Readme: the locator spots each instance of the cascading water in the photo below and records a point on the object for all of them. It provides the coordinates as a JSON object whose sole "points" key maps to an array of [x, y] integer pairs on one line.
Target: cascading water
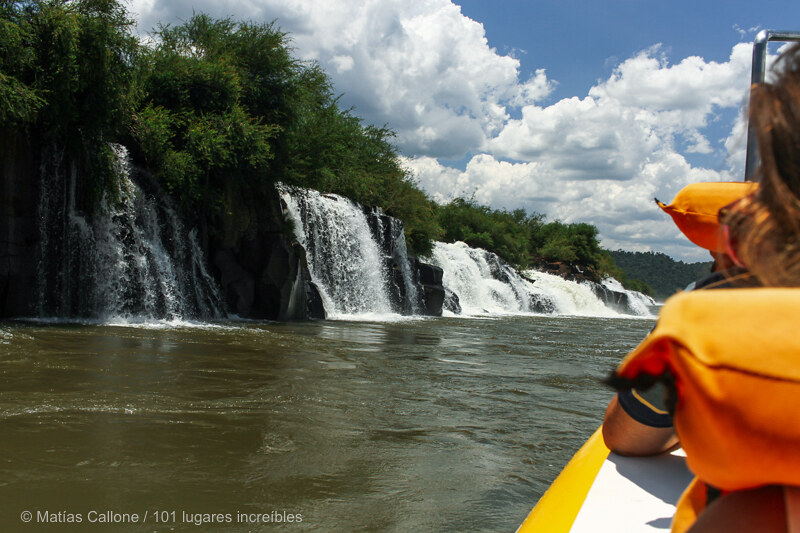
{"points": [[484, 284], [411, 301], [637, 303], [344, 259], [358, 262], [570, 297], [132, 259]]}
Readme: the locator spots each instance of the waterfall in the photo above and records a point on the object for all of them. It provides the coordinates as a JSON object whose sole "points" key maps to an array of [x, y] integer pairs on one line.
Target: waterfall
{"points": [[411, 300], [344, 259], [358, 262], [131, 259], [570, 297], [637, 303], [485, 284]]}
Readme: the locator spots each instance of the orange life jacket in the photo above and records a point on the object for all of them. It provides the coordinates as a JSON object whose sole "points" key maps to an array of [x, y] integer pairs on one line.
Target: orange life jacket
{"points": [[734, 357]]}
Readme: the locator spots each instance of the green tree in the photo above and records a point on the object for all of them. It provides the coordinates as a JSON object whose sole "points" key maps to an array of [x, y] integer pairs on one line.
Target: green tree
{"points": [[200, 126], [499, 231], [20, 101], [226, 112], [665, 275], [66, 80], [329, 149], [556, 241]]}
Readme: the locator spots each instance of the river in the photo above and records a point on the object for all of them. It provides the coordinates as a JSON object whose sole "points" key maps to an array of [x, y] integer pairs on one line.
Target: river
{"points": [[416, 424]]}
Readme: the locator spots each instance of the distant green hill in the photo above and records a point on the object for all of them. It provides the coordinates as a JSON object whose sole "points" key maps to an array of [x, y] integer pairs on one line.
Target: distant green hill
{"points": [[664, 275]]}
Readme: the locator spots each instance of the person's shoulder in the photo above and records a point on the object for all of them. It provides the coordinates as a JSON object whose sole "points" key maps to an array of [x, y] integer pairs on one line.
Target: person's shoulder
{"points": [[730, 278]]}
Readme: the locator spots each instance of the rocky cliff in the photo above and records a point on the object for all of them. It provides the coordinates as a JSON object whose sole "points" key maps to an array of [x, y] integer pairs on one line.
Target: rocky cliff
{"points": [[19, 232]]}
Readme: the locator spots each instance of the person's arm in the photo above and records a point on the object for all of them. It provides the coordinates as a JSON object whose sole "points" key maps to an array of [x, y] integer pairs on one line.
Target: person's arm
{"points": [[626, 436], [743, 511]]}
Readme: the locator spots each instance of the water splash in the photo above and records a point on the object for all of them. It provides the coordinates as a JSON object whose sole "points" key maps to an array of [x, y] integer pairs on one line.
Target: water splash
{"points": [[411, 300], [484, 284], [358, 261]]}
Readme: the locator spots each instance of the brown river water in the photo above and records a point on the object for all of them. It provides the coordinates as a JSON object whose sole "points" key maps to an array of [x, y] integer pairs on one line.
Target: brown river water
{"points": [[448, 424]]}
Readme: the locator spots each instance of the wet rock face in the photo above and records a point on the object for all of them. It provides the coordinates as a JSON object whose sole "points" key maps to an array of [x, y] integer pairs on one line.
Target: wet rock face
{"points": [[19, 232], [259, 272], [238, 284], [266, 274], [248, 250], [451, 302], [618, 301], [415, 287], [542, 304], [429, 278], [263, 273], [275, 286]]}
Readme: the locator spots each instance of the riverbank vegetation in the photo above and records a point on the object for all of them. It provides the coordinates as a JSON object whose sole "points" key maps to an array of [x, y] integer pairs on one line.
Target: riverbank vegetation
{"points": [[218, 111], [662, 273]]}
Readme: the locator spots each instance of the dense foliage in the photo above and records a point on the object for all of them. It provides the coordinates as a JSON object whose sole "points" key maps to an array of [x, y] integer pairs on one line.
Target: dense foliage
{"points": [[219, 111], [201, 124], [66, 72], [225, 106], [519, 237], [665, 275], [505, 233]]}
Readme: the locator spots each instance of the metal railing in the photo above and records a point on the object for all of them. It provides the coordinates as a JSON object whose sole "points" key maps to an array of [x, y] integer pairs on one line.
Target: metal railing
{"points": [[757, 76]]}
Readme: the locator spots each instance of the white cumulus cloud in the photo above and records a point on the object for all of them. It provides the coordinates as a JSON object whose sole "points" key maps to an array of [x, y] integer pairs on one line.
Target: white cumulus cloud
{"points": [[419, 66], [428, 72]]}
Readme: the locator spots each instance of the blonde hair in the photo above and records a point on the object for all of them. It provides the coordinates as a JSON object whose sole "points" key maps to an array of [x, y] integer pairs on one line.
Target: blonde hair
{"points": [[765, 227]]}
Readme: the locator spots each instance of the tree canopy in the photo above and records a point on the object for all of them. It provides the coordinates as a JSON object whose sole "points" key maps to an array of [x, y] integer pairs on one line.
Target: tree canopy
{"points": [[218, 109], [66, 70], [665, 275]]}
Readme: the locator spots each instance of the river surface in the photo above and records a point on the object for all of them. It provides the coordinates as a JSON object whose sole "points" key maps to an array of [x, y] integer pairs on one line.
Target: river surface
{"points": [[448, 424]]}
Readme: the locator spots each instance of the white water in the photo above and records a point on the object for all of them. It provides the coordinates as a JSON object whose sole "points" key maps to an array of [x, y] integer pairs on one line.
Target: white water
{"points": [[344, 261], [571, 298], [486, 285], [639, 303], [471, 273], [131, 261], [411, 303], [348, 265]]}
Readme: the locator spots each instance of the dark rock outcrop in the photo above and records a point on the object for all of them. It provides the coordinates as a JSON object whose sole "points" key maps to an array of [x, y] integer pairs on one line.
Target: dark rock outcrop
{"points": [[249, 247], [415, 287], [451, 302], [238, 284], [433, 295], [616, 300], [542, 304], [19, 233], [569, 271], [261, 269]]}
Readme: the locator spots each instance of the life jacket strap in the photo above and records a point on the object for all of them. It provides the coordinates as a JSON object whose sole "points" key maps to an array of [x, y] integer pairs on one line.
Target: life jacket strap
{"points": [[791, 498]]}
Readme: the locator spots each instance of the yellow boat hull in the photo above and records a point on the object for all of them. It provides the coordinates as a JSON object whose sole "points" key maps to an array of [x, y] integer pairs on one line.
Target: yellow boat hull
{"points": [[599, 491]]}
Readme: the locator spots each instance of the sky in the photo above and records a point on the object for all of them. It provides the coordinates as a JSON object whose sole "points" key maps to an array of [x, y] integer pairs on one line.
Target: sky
{"points": [[582, 110]]}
